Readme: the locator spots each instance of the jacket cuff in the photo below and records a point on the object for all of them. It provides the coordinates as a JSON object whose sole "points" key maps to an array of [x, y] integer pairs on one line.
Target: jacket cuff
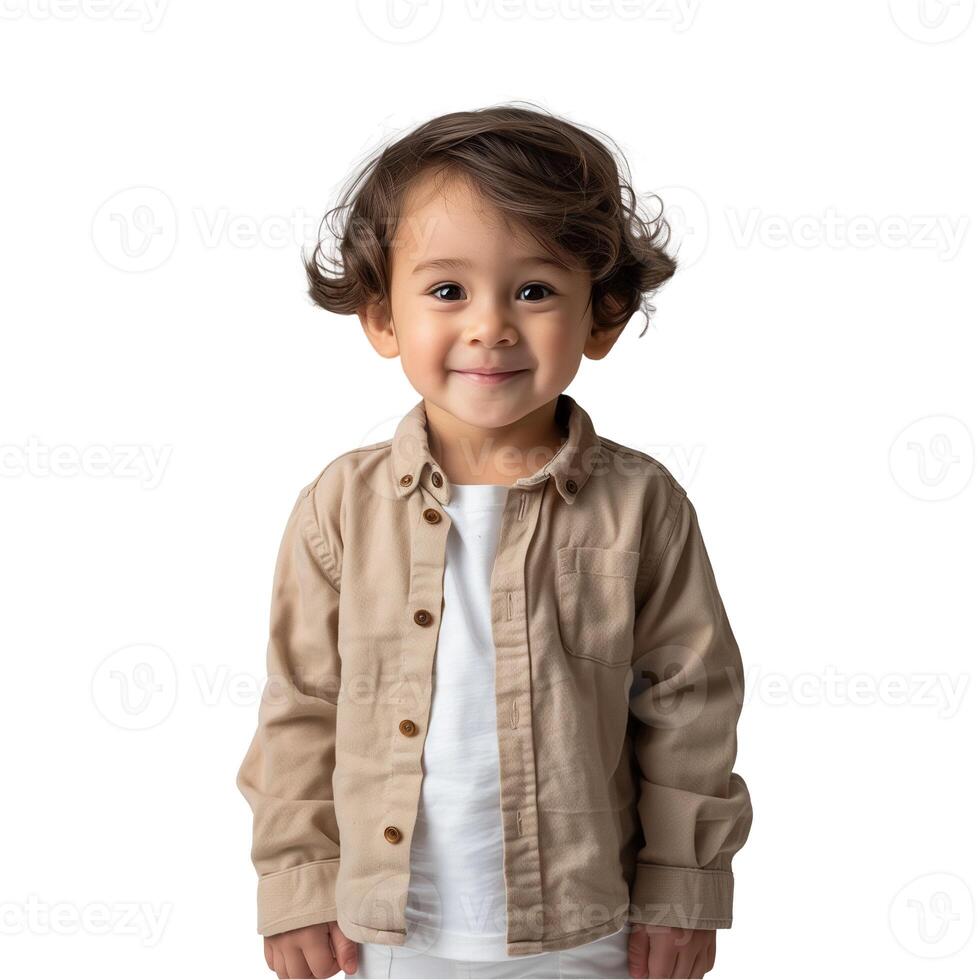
{"points": [[688, 898], [297, 897]]}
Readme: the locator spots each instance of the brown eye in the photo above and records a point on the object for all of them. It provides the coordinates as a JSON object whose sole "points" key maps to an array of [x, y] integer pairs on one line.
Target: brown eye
{"points": [[532, 286], [439, 289]]}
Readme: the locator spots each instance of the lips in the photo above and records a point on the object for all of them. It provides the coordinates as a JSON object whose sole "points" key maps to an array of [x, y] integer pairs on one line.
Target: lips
{"points": [[489, 377]]}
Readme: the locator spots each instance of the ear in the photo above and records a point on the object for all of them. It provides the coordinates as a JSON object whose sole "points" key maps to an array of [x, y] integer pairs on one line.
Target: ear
{"points": [[380, 329], [601, 339]]}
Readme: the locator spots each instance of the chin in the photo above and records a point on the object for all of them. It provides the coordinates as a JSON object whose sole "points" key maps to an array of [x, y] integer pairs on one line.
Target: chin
{"points": [[487, 412]]}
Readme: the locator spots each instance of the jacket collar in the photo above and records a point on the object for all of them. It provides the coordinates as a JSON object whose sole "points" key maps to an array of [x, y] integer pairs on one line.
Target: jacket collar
{"points": [[570, 467]]}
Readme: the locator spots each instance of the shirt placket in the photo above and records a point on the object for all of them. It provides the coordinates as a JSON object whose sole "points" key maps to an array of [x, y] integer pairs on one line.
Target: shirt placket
{"points": [[512, 671], [518, 774], [423, 614]]}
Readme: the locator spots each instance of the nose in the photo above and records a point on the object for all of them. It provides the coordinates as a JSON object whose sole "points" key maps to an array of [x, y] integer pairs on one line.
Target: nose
{"points": [[491, 324]]}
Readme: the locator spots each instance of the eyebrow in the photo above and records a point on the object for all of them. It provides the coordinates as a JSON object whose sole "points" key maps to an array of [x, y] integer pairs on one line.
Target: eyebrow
{"points": [[453, 264]]}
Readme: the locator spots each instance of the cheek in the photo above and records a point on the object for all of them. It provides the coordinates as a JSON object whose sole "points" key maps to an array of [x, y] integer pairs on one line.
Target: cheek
{"points": [[424, 346], [557, 348]]}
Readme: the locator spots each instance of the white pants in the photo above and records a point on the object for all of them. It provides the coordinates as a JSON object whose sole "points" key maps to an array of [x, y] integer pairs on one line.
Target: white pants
{"points": [[604, 957]]}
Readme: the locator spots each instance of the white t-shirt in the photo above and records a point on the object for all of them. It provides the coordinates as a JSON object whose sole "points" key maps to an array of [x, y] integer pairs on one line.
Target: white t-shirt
{"points": [[456, 905]]}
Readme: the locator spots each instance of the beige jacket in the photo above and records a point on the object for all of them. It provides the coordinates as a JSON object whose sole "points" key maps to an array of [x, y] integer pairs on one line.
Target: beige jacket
{"points": [[618, 687]]}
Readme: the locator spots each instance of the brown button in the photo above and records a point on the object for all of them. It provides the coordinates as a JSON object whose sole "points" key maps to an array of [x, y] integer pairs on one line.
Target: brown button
{"points": [[423, 617], [437, 479], [393, 835], [432, 515], [571, 486], [407, 727], [406, 480]]}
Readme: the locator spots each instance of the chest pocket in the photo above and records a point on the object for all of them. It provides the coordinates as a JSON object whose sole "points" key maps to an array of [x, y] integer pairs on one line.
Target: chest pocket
{"points": [[596, 605]]}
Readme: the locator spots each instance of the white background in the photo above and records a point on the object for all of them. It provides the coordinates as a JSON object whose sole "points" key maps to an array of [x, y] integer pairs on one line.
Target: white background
{"points": [[810, 377]]}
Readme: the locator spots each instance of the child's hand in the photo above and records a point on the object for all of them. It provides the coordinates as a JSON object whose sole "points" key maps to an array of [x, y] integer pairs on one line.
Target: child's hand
{"points": [[313, 951], [665, 951]]}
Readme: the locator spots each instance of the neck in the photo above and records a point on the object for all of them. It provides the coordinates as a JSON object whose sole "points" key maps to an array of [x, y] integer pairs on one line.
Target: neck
{"points": [[473, 454]]}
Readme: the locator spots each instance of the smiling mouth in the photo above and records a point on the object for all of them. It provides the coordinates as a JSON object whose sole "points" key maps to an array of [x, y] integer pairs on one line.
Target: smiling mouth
{"points": [[498, 377]]}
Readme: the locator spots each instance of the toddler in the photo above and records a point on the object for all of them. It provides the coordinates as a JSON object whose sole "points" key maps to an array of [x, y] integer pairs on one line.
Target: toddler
{"points": [[499, 726]]}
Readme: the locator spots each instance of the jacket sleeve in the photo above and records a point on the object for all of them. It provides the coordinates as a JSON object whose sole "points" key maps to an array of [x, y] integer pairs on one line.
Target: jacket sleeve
{"points": [[685, 700], [286, 775]]}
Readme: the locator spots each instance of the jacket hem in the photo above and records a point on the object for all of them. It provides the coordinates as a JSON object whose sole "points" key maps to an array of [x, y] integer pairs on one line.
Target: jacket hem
{"points": [[521, 947], [569, 940]]}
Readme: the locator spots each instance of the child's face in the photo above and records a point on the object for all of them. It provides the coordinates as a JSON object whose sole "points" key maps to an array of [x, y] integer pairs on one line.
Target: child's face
{"points": [[497, 307]]}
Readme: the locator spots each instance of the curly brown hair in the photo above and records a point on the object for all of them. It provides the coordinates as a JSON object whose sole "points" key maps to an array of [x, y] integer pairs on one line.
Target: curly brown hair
{"points": [[557, 180]]}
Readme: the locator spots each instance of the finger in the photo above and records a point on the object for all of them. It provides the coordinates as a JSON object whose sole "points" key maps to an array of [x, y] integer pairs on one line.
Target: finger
{"points": [[321, 960], [663, 956], [638, 953], [700, 964], [711, 952], [296, 963], [280, 964], [318, 952], [268, 954], [322, 957], [344, 948], [684, 965]]}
